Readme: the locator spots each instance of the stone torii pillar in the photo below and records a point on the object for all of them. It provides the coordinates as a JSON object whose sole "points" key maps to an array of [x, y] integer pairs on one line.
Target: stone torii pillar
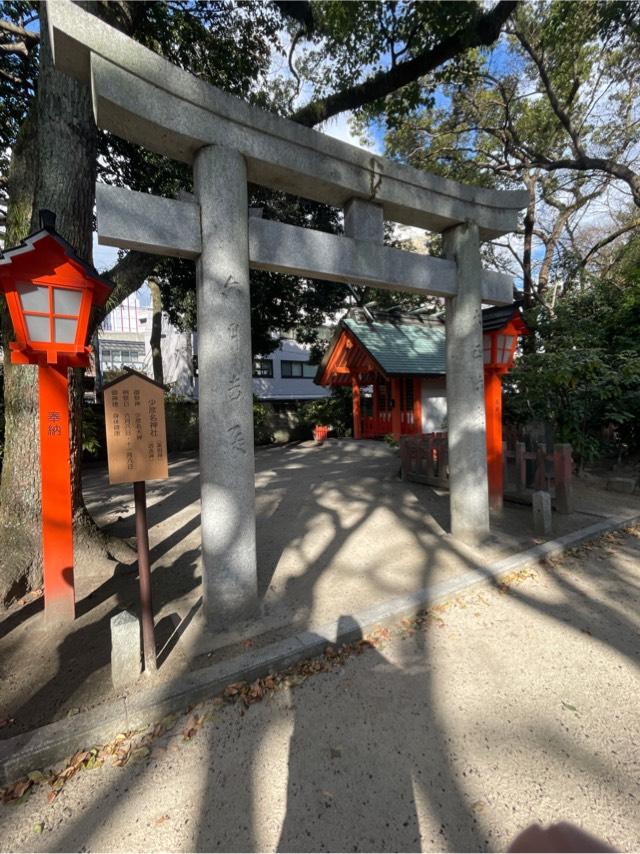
{"points": [[468, 484], [225, 402]]}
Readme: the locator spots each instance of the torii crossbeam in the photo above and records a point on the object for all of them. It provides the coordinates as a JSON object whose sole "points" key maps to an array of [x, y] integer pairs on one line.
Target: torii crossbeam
{"points": [[143, 98]]}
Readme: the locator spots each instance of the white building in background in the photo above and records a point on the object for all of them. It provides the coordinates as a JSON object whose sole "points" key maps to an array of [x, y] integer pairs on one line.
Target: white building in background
{"points": [[124, 340], [286, 375], [282, 378]]}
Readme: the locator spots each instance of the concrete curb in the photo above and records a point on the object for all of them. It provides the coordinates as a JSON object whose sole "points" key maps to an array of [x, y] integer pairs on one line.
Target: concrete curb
{"points": [[50, 744]]}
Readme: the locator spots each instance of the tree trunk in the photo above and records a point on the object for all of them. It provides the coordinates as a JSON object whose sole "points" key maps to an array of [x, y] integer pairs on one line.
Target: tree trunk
{"points": [[156, 332], [20, 556], [54, 167]]}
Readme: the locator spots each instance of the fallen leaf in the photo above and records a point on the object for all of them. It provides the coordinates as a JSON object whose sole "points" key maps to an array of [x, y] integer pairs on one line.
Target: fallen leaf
{"points": [[17, 791], [191, 728], [139, 753], [38, 827], [569, 706], [73, 712], [6, 722], [160, 820], [248, 643], [37, 777], [232, 692]]}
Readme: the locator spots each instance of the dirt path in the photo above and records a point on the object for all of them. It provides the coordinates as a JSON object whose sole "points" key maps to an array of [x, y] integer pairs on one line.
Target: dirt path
{"points": [[506, 707]]}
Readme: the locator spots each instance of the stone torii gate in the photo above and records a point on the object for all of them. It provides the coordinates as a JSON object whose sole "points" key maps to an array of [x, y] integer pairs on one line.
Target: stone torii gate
{"points": [[147, 100]]}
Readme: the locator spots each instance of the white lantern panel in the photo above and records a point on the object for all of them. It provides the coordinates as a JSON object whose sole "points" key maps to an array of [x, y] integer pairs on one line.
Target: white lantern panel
{"points": [[505, 342], [33, 297], [66, 302], [38, 328], [65, 330], [486, 339]]}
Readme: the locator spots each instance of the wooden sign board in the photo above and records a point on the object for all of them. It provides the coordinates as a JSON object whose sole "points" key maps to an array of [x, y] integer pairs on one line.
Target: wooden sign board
{"points": [[136, 429]]}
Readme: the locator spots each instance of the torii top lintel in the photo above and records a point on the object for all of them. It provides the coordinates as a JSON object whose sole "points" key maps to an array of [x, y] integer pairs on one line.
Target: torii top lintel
{"points": [[142, 97]]}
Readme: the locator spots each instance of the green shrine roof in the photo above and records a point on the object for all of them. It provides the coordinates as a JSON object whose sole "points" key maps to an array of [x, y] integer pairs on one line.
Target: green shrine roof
{"points": [[402, 346]]}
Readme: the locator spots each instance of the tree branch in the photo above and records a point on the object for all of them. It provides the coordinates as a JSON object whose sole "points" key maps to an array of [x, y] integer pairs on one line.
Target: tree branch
{"points": [[300, 10], [13, 78], [592, 164], [606, 240], [582, 161], [483, 29], [561, 114], [15, 48], [16, 30], [127, 275]]}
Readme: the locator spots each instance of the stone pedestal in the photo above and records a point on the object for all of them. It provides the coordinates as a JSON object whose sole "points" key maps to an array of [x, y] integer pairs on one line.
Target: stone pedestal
{"points": [[469, 491], [542, 513], [126, 649], [227, 476]]}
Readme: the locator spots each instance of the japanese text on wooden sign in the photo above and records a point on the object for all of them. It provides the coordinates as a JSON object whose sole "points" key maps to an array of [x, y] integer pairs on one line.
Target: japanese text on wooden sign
{"points": [[136, 431]]}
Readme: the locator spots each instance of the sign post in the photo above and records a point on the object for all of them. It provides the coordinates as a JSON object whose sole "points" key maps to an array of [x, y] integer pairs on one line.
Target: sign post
{"points": [[137, 452]]}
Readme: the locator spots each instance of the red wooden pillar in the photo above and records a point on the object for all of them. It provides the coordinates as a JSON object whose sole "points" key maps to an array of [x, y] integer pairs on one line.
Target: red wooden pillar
{"points": [[493, 411], [355, 389], [55, 465], [417, 405], [376, 405], [396, 416]]}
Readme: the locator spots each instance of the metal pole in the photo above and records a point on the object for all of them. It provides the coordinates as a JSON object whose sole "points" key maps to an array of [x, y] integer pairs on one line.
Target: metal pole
{"points": [[144, 574]]}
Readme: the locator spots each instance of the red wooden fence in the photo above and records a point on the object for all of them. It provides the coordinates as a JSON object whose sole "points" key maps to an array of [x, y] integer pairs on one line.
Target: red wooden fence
{"points": [[424, 459]]}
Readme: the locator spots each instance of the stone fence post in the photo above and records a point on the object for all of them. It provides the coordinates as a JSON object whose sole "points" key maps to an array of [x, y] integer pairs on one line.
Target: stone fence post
{"points": [[563, 471]]}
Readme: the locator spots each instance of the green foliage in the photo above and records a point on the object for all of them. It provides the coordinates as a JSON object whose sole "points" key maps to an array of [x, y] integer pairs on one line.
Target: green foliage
{"points": [[15, 100], [584, 378], [358, 39], [261, 432], [278, 303], [182, 423], [334, 412], [93, 435]]}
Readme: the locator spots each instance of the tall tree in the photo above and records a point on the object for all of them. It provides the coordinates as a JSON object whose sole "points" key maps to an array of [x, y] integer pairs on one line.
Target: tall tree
{"points": [[500, 126]]}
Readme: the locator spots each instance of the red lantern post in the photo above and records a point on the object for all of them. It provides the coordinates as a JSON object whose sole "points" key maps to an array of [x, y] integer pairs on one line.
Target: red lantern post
{"points": [[500, 339], [50, 293]]}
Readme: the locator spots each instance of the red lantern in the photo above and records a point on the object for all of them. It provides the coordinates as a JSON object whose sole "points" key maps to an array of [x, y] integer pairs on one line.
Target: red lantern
{"points": [[501, 329], [50, 293]]}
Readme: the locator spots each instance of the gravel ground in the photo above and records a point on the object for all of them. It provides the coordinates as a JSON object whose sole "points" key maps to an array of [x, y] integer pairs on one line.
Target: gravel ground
{"points": [[336, 528], [508, 706]]}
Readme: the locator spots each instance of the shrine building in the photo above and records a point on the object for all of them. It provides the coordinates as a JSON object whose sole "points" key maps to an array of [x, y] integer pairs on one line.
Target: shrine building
{"points": [[395, 365]]}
